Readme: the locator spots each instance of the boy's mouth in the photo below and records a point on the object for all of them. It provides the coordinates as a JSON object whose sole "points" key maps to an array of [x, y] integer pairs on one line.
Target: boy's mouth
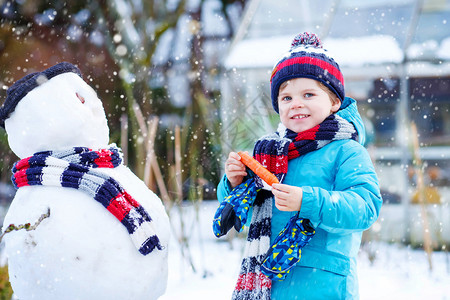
{"points": [[299, 116]]}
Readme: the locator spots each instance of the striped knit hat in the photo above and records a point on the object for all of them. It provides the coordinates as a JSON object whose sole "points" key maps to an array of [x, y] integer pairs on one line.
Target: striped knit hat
{"points": [[307, 59], [23, 86]]}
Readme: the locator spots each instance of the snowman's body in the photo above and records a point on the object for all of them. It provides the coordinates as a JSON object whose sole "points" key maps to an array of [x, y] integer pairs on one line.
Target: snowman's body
{"points": [[81, 251]]}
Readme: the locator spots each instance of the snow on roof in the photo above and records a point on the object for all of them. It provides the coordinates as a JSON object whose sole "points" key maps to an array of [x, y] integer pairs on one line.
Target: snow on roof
{"points": [[444, 50], [349, 52]]}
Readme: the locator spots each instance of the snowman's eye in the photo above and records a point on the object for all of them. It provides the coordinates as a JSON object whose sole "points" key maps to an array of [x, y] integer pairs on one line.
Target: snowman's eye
{"points": [[81, 98]]}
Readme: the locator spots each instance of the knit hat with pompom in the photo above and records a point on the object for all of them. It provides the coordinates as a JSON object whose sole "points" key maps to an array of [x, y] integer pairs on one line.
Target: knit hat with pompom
{"points": [[307, 59]]}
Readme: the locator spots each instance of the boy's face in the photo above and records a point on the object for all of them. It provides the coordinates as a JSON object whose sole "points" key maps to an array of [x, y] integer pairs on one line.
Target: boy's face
{"points": [[303, 104]]}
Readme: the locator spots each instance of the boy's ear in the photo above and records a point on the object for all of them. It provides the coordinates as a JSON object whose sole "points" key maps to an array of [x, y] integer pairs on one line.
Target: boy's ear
{"points": [[336, 105]]}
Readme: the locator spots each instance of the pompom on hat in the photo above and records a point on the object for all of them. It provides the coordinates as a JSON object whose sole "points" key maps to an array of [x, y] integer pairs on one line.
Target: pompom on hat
{"points": [[307, 59], [23, 86]]}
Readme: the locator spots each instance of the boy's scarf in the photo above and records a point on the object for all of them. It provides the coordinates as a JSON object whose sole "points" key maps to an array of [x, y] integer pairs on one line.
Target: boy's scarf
{"points": [[76, 168], [274, 151]]}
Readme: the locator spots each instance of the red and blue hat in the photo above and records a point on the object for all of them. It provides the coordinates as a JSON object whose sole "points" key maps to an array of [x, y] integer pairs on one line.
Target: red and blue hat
{"points": [[23, 86], [307, 59]]}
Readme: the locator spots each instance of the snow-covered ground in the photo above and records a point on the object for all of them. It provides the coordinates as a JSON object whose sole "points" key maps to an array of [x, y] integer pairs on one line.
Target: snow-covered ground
{"points": [[397, 272]]}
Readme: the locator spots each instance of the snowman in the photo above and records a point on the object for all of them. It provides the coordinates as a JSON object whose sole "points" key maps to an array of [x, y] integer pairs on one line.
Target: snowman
{"points": [[98, 231]]}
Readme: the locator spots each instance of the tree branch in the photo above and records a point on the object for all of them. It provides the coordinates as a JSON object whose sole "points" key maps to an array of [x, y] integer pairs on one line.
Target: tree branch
{"points": [[26, 226]]}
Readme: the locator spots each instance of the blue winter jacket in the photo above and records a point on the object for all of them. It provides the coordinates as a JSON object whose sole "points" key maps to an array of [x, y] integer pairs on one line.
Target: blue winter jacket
{"points": [[341, 197]]}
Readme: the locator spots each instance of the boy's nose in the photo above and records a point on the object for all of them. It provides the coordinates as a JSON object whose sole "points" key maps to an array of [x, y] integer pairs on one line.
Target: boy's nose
{"points": [[297, 103]]}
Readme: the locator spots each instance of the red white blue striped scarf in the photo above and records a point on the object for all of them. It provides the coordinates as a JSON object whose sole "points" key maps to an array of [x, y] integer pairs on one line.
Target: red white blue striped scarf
{"points": [[76, 168], [274, 151]]}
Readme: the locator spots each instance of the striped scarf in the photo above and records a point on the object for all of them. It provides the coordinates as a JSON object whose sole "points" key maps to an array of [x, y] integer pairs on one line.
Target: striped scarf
{"points": [[274, 151], [76, 168]]}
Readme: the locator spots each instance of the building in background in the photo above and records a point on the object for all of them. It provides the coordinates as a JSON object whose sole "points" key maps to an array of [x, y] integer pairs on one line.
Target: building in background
{"points": [[395, 57]]}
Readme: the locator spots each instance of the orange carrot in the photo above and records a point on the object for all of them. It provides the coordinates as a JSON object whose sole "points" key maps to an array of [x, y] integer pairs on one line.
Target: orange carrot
{"points": [[258, 169]]}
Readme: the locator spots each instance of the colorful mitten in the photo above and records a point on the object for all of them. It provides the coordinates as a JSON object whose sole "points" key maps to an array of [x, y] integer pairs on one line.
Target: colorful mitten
{"points": [[233, 211], [286, 249]]}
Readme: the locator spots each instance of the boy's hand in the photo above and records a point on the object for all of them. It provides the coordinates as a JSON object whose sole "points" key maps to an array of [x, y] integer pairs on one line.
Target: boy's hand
{"points": [[235, 169], [287, 197]]}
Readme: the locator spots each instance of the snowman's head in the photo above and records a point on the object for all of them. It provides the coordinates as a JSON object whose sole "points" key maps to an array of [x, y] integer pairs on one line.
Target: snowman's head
{"points": [[57, 113]]}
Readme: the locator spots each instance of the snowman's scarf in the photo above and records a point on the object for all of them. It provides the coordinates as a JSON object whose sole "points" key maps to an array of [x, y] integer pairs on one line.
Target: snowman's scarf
{"points": [[274, 151], [76, 168]]}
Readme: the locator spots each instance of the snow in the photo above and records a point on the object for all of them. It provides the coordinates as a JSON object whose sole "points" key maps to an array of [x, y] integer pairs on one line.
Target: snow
{"points": [[357, 51], [424, 50], [397, 271], [444, 50], [348, 52]]}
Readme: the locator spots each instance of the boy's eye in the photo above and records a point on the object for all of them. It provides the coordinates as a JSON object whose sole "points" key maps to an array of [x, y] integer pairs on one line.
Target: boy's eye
{"points": [[286, 98], [308, 95]]}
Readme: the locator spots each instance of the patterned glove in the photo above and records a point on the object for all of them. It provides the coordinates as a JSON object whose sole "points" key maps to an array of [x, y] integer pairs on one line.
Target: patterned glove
{"points": [[233, 211], [286, 250]]}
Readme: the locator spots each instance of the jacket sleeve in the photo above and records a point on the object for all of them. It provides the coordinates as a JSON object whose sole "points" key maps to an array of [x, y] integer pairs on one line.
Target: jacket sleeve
{"points": [[223, 189], [354, 202]]}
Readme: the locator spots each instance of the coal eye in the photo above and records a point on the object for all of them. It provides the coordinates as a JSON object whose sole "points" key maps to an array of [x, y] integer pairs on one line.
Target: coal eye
{"points": [[81, 98]]}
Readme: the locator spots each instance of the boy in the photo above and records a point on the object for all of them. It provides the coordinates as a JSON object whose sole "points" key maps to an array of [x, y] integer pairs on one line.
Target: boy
{"points": [[326, 177]]}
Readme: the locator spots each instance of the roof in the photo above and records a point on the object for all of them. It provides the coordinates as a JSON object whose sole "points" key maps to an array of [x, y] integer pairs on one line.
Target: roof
{"points": [[376, 34]]}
